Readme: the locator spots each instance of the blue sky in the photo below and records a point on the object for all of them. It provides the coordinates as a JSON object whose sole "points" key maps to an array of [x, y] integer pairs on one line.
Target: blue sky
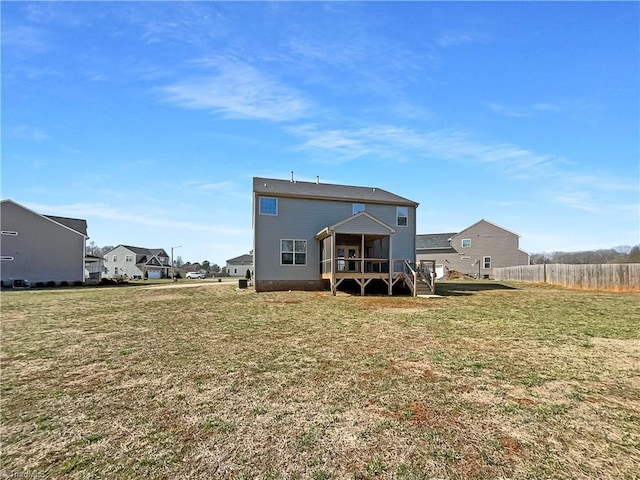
{"points": [[149, 120]]}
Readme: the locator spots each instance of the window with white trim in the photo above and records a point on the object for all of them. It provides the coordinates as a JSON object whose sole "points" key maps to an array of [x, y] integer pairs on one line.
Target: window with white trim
{"points": [[115, 258], [8, 232], [268, 206], [7, 259], [293, 252], [357, 208], [402, 216], [128, 258], [466, 242], [486, 262]]}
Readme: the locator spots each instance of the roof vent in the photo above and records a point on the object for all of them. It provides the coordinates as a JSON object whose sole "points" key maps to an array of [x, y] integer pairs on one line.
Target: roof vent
{"points": [[292, 176], [317, 179]]}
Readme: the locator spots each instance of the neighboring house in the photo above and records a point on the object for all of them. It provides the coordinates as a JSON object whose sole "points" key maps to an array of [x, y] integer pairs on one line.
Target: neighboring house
{"points": [[311, 236], [238, 266], [476, 250], [40, 248], [137, 262], [93, 268]]}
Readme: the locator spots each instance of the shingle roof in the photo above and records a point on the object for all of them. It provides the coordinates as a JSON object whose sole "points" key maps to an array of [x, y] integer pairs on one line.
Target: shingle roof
{"points": [[75, 224], [433, 240], [241, 260], [287, 188], [144, 251]]}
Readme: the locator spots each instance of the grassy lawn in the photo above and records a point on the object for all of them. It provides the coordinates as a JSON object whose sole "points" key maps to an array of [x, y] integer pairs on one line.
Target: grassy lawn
{"points": [[490, 381]]}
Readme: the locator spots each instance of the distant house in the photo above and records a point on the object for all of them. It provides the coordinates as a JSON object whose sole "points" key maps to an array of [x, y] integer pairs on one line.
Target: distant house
{"points": [[137, 262], [40, 248], [238, 266], [476, 250], [93, 268], [311, 236]]}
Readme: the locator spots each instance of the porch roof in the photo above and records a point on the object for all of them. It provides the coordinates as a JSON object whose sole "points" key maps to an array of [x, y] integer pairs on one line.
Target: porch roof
{"points": [[360, 223]]}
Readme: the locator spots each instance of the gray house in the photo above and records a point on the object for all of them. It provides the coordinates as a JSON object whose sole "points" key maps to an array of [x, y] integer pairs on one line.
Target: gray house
{"points": [[316, 236], [137, 262], [476, 250], [40, 248]]}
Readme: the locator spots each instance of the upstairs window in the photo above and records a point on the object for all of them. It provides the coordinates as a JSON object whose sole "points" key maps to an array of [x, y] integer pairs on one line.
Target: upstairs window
{"points": [[402, 216], [268, 206], [128, 258], [115, 258], [466, 242], [293, 252], [357, 208]]}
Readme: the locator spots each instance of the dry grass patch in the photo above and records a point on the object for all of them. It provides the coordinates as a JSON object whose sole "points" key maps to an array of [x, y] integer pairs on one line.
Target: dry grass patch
{"points": [[203, 382]]}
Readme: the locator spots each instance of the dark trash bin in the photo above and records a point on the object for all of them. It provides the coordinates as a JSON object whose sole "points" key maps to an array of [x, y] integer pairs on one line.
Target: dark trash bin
{"points": [[242, 283]]}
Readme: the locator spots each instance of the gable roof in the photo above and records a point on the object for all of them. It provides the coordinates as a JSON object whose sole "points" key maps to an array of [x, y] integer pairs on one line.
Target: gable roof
{"points": [[326, 191], [434, 240], [241, 260], [489, 223], [77, 225], [361, 222], [147, 252]]}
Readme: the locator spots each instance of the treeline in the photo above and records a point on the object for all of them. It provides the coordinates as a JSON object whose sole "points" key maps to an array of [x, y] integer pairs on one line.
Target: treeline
{"points": [[610, 255]]}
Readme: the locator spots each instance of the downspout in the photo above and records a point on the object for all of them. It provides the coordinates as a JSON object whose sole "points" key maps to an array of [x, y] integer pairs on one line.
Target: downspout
{"points": [[331, 263], [391, 265]]}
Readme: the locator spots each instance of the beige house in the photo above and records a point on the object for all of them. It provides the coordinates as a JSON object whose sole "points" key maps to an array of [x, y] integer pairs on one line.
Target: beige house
{"points": [[475, 251], [40, 248], [125, 261]]}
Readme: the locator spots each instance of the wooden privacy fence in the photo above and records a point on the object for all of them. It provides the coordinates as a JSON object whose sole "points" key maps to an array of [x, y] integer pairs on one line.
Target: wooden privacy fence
{"points": [[617, 277]]}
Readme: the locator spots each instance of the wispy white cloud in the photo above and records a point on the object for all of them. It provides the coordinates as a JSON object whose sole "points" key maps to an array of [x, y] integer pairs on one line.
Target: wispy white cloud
{"points": [[565, 183], [506, 110], [452, 38], [238, 90], [386, 141], [158, 219], [24, 132], [26, 38]]}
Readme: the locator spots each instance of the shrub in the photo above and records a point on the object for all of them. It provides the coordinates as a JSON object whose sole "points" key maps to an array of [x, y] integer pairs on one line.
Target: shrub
{"points": [[39, 284], [64, 283], [78, 283], [51, 283]]}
